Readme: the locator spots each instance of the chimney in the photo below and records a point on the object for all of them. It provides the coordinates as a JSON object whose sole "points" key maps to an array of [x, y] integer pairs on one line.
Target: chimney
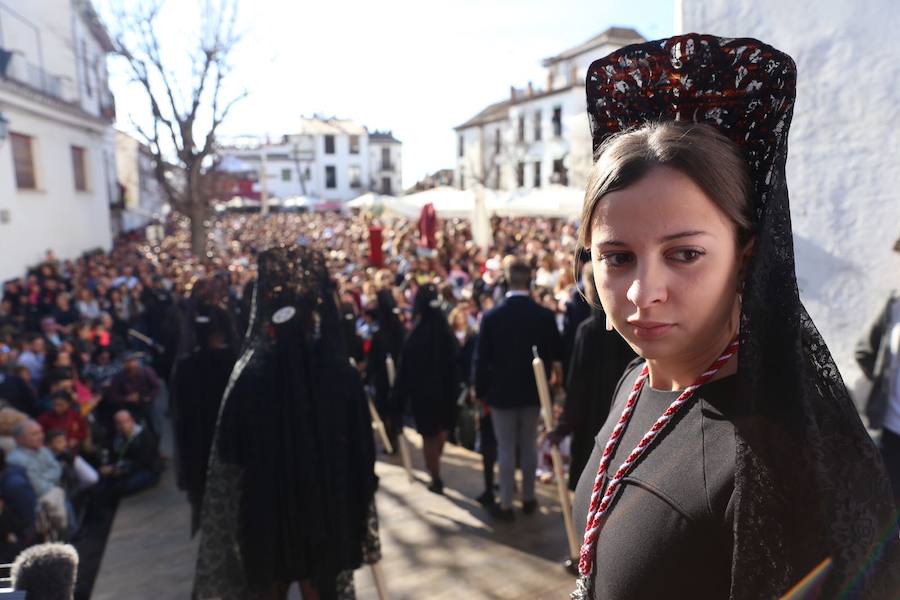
{"points": [[550, 81], [530, 90], [512, 92]]}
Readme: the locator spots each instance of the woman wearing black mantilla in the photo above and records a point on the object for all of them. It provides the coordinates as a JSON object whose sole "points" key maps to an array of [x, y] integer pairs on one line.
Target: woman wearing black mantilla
{"points": [[290, 488], [733, 463]]}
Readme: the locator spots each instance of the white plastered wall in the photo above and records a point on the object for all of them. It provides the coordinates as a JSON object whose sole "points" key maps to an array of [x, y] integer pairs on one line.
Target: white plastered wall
{"points": [[843, 172]]}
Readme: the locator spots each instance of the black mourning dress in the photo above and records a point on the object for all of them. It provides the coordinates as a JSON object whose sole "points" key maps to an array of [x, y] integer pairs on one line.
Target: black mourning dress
{"points": [[198, 382], [386, 340], [669, 533], [291, 481], [427, 377], [598, 359]]}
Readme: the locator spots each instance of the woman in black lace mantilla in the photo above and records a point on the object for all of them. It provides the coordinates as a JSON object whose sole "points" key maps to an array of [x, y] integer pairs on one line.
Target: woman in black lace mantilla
{"points": [[291, 482], [763, 473]]}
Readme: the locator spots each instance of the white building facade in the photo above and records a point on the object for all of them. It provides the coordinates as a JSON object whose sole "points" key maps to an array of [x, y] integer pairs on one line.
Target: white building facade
{"points": [[57, 167], [385, 157], [142, 200], [844, 145], [537, 137], [334, 160]]}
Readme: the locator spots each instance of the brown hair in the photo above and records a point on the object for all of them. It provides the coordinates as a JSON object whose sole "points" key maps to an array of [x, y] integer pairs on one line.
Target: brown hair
{"points": [[715, 163]]}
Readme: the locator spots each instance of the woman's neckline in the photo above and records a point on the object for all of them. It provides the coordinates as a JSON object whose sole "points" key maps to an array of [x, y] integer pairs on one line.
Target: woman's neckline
{"points": [[713, 382]]}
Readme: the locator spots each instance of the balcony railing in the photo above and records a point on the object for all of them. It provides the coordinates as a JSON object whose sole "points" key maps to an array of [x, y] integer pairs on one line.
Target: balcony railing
{"points": [[21, 70]]}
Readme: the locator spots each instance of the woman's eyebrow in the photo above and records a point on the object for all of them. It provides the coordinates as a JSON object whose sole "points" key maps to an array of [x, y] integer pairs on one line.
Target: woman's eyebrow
{"points": [[665, 238], [683, 234]]}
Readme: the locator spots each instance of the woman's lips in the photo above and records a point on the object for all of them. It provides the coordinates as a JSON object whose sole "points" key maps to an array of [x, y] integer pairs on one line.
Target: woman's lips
{"points": [[650, 331]]}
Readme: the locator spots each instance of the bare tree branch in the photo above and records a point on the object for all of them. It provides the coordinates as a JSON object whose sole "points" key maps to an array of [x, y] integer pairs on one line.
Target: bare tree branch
{"points": [[177, 122]]}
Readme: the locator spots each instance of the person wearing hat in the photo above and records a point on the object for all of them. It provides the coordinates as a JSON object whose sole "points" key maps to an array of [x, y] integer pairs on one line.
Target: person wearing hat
{"points": [[733, 463]]}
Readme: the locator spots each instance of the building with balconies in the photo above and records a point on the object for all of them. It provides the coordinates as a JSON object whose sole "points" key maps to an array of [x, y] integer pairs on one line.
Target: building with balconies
{"points": [[384, 163], [331, 159], [57, 144], [537, 136]]}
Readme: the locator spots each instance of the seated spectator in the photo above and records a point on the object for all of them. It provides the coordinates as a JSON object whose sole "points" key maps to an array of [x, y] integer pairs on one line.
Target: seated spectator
{"points": [[55, 441], [58, 380], [99, 373], [9, 419], [135, 452], [87, 304], [19, 501], [67, 419], [78, 474], [15, 389], [64, 314], [44, 473], [51, 330], [135, 388], [105, 336], [32, 357]]}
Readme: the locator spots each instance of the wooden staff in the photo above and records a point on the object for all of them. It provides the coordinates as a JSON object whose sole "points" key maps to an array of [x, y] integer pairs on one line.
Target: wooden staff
{"points": [[377, 423], [147, 340], [565, 502], [401, 437], [378, 576]]}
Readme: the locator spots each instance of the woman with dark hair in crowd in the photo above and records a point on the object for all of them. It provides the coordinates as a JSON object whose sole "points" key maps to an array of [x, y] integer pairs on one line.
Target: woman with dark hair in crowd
{"points": [[387, 340], [733, 463], [428, 379]]}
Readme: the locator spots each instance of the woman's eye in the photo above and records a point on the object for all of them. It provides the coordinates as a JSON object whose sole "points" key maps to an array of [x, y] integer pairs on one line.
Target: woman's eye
{"points": [[616, 259], [687, 255]]}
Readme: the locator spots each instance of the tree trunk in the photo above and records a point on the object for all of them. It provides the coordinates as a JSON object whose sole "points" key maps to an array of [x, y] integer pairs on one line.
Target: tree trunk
{"points": [[199, 230]]}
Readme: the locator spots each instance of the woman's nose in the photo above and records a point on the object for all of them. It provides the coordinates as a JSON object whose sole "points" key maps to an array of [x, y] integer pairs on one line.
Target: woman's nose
{"points": [[648, 288]]}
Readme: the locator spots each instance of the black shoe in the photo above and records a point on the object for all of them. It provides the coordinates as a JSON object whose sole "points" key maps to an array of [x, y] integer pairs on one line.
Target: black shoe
{"points": [[436, 487], [529, 506], [501, 514], [486, 499]]}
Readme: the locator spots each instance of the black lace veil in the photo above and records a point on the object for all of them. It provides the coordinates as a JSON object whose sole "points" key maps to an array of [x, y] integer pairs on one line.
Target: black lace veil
{"points": [[291, 476], [810, 483]]}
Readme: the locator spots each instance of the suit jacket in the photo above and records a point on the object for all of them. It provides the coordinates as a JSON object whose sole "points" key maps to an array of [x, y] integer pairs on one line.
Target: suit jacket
{"points": [[502, 370], [876, 358]]}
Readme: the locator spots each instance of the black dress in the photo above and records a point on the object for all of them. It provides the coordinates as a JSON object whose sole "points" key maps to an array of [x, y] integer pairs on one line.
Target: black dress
{"points": [[198, 384], [428, 378], [669, 530], [290, 487], [598, 360]]}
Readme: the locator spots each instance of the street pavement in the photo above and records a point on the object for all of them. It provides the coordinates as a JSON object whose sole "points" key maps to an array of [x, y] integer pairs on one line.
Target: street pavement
{"points": [[434, 547]]}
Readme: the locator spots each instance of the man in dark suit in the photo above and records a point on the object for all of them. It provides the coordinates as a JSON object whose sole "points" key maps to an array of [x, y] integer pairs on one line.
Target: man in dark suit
{"points": [[504, 379]]}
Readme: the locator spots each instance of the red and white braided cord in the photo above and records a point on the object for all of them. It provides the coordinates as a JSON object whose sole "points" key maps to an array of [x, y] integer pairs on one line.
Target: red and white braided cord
{"points": [[600, 507]]}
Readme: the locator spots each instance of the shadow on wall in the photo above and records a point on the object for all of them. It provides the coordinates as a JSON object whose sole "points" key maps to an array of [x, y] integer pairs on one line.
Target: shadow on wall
{"points": [[829, 287], [816, 267]]}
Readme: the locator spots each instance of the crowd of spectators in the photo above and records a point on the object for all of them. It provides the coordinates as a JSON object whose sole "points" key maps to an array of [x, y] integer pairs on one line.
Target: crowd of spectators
{"points": [[87, 344]]}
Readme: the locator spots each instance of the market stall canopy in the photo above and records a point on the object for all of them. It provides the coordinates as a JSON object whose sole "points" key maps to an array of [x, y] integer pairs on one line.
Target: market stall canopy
{"points": [[551, 201], [371, 200]]}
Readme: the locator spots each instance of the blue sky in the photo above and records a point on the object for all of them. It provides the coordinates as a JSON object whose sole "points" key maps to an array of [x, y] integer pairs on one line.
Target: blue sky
{"points": [[417, 67]]}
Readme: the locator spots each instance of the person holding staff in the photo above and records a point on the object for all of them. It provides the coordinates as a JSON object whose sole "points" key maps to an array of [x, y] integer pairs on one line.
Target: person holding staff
{"points": [[504, 380], [733, 462]]}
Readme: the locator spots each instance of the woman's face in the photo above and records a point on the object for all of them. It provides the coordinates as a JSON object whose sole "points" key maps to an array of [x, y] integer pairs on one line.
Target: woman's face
{"points": [[666, 266]]}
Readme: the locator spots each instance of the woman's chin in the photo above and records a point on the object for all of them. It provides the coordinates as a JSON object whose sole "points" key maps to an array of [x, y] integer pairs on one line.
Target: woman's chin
{"points": [[651, 349]]}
